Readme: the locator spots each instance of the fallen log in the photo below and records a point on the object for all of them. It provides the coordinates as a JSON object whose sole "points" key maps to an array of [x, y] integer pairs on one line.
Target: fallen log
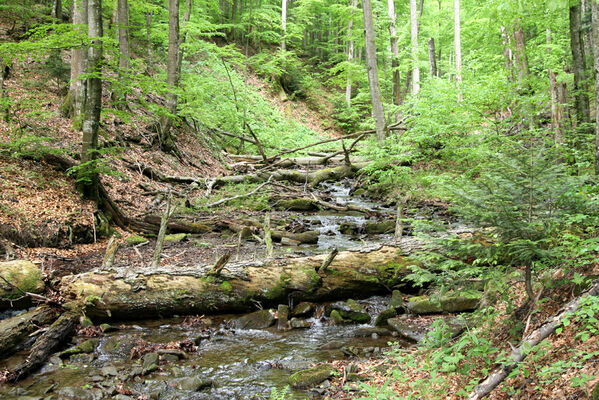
{"points": [[534, 338], [14, 331], [247, 227], [58, 333], [151, 293]]}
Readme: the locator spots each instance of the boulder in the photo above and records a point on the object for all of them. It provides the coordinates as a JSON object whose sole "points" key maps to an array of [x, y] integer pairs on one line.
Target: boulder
{"points": [[351, 311], [261, 319], [297, 323], [381, 319], [416, 331], [311, 377], [85, 347], [377, 228], [467, 300], [349, 228], [423, 305], [193, 384], [21, 273], [283, 317], [396, 300], [368, 332], [149, 363], [336, 318], [303, 309]]}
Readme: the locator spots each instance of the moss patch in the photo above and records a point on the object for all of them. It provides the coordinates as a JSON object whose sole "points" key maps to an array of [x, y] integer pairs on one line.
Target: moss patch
{"points": [[226, 287], [134, 240], [310, 377]]}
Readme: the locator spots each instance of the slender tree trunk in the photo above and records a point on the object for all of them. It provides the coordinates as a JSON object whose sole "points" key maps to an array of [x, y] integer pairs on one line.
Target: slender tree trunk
{"points": [[581, 97], [57, 9], [77, 95], [378, 111], [595, 35], [458, 47], [350, 52], [508, 54], [414, 39], [284, 24], [123, 27], [149, 15], [432, 60], [520, 55], [3, 97], [394, 52], [186, 18], [93, 106], [588, 33], [233, 18], [167, 141], [556, 106]]}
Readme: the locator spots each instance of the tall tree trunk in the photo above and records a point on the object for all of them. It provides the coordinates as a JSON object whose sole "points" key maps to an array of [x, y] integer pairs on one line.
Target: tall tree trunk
{"points": [[149, 15], [167, 141], [284, 24], [350, 52], [457, 39], [432, 60], [414, 39], [556, 106], [508, 54], [378, 111], [57, 10], [588, 33], [233, 18], [581, 97], [123, 27], [93, 106], [186, 18], [75, 101], [595, 35], [394, 52], [520, 55]]}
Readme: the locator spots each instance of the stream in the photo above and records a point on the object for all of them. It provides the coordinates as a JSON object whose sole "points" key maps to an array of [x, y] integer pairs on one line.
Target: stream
{"points": [[239, 363]]}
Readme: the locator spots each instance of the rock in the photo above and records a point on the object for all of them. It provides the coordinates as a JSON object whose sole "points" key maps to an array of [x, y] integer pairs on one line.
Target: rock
{"points": [[396, 300], [261, 319], [300, 204], [297, 323], [377, 228], [85, 322], [134, 240], [175, 238], [349, 228], [285, 241], [109, 370], [408, 329], [311, 377], [193, 384], [381, 319], [283, 317], [149, 363], [303, 309], [122, 397], [106, 328], [467, 300], [332, 345], [352, 311], [85, 347], [21, 273], [336, 318], [136, 371], [423, 305], [75, 393], [368, 332], [180, 354]]}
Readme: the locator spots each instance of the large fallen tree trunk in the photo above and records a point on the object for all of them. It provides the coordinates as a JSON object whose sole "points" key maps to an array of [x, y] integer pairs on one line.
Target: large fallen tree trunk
{"points": [[14, 331], [152, 293], [58, 333], [534, 338]]}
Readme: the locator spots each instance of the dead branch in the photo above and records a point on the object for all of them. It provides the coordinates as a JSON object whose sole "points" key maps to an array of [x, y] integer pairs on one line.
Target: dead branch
{"points": [[328, 261]]}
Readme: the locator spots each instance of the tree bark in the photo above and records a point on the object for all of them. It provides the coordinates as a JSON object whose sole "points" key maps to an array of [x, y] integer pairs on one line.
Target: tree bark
{"points": [[581, 97], [508, 54], [378, 111], [284, 24], [414, 40], [595, 35], [350, 52], [166, 137], [123, 27], [75, 100], [57, 10], [457, 40], [520, 56], [15, 331], [432, 60], [394, 52], [93, 106], [149, 15], [557, 108]]}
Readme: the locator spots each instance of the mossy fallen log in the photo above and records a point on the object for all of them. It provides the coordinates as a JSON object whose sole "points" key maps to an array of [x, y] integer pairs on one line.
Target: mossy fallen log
{"points": [[152, 293], [14, 331]]}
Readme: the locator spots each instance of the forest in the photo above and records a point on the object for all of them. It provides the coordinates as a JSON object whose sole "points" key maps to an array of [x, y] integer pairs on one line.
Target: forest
{"points": [[299, 199]]}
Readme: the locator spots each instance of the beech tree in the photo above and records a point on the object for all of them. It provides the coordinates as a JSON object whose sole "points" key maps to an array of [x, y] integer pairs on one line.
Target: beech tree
{"points": [[414, 39]]}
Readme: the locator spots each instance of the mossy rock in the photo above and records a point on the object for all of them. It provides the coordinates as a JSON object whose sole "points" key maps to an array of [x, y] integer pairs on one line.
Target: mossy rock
{"points": [[134, 240], [311, 377], [359, 192], [349, 228], [85, 347], [351, 311], [198, 227], [462, 301], [226, 287], [378, 228], [300, 204], [20, 273], [336, 318], [424, 305], [303, 309], [396, 300], [175, 238], [261, 319], [382, 318]]}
